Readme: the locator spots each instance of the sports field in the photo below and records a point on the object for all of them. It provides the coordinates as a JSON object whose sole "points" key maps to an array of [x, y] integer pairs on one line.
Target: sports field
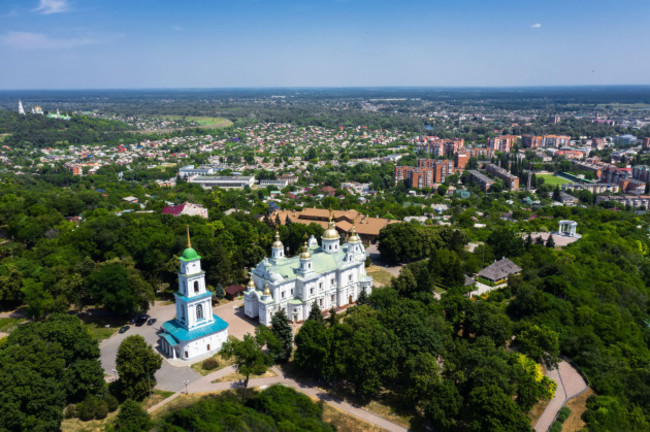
{"points": [[553, 180]]}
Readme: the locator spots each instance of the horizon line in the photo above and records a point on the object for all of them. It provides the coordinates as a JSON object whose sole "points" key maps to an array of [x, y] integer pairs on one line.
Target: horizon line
{"points": [[408, 87]]}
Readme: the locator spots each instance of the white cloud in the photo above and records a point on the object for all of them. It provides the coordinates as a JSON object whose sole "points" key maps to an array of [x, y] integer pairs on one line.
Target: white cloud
{"points": [[48, 7], [28, 40], [536, 26]]}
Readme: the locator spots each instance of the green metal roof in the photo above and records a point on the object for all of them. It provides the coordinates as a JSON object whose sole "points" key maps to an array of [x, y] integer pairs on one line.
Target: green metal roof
{"points": [[170, 340], [190, 254], [322, 262], [180, 296], [181, 334]]}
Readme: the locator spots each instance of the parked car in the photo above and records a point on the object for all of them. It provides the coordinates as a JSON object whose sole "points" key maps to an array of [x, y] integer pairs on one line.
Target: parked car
{"points": [[133, 320], [124, 329], [141, 320], [152, 321]]}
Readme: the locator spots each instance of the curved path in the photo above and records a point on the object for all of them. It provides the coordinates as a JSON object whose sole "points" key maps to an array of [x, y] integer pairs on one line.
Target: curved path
{"points": [[205, 385], [569, 385]]}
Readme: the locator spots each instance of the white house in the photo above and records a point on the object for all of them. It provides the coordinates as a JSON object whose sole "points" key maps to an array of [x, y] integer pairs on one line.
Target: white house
{"points": [[196, 330]]}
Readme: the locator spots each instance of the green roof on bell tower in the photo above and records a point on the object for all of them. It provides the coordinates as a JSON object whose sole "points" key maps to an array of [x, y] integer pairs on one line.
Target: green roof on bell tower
{"points": [[189, 254]]}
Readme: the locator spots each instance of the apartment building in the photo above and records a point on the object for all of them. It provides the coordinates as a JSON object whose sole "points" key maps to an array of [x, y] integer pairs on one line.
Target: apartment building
{"points": [[428, 173], [557, 141], [511, 181], [502, 143], [484, 182]]}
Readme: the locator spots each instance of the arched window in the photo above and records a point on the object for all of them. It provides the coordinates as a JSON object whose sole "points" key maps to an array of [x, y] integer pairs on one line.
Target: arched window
{"points": [[196, 286], [199, 312]]}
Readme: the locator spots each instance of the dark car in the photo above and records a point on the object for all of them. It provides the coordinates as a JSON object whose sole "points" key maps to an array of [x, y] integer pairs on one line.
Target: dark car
{"points": [[133, 320], [124, 329], [152, 321], [141, 320]]}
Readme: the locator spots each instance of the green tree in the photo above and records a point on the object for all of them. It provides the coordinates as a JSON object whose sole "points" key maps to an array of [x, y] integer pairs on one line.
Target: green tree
{"points": [[315, 313], [539, 343], [249, 356], [282, 330], [219, 291], [136, 365], [550, 242], [132, 418], [313, 349]]}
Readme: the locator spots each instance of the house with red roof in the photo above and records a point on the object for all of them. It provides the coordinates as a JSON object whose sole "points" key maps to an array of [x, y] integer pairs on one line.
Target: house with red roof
{"points": [[187, 209]]}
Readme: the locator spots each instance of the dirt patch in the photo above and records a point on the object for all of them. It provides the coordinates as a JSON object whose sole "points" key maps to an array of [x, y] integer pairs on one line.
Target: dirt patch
{"points": [[536, 411], [236, 376], [577, 405]]}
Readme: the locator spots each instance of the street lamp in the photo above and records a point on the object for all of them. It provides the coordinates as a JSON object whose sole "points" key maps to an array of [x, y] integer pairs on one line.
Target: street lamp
{"points": [[186, 382]]}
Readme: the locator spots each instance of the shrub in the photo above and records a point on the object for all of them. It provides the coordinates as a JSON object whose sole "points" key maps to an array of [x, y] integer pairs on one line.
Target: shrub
{"points": [[86, 410], [111, 402], [70, 412], [101, 410], [211, 363], [563, 414], [555, 427]]}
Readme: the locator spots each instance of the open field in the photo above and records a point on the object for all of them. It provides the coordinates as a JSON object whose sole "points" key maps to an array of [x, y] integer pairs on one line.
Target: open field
{"points": [[203, 122], [236, 376], [553, 180]]}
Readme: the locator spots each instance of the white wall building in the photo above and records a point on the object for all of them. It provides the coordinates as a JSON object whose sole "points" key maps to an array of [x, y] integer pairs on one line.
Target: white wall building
{"points": [[332, 275], [196, 330]]}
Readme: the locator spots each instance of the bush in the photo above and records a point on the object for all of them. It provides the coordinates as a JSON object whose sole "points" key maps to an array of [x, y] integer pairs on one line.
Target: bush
{"points": [[563, 414], [70, 412], [86, 410], [555, 427], [111, 402], [101, 410], [210, 364]]}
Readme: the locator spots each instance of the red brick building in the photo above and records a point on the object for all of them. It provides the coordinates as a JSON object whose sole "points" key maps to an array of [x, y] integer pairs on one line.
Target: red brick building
{"points": [[428, 173]]}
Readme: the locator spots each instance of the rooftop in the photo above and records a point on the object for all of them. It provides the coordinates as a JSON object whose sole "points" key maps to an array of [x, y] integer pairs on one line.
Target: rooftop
{"points": [[181, 334]]}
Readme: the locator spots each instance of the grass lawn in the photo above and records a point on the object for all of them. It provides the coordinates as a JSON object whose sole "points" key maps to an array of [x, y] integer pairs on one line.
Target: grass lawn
{"points": [[97, 327], [553, 180], [379, 274], [236, 376], [346, 422], [7, 324], [156, 397], [183, 401], [198, 366]]}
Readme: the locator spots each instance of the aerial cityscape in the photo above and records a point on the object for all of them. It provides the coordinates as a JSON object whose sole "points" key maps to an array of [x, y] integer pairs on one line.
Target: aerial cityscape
{"points": [[329, 216]]}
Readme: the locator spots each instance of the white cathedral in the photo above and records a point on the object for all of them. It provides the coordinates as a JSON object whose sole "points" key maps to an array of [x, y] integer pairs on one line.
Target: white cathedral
{"points": [[196, 330], [332, 275]]}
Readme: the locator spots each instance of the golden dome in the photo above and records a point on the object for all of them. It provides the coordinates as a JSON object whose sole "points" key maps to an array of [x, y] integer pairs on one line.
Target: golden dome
{"points": [[251, 284], [331, 233], [267, 291], [353, 236], [305, 252], [277, 243]]}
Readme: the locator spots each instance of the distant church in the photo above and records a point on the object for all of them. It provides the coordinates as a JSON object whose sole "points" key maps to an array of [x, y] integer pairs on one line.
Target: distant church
{"points": [[332, 275], [196, 330]]}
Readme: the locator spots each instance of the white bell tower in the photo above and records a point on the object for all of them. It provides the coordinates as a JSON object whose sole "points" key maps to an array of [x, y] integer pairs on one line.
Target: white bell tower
{"points": [[193, 300]]}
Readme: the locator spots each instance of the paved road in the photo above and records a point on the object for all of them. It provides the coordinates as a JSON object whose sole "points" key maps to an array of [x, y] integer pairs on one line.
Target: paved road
{"points": [[170, 376], [205, 385], [569, 385]]}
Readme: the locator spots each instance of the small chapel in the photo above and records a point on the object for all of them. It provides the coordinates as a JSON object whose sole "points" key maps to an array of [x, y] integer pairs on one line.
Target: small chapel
{"points": [[331, 274], [196, 330]]}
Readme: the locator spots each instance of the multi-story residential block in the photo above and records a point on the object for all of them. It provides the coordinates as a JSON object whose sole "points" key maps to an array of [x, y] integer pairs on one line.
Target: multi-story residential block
{"points": [[438, 147], [483, 181], [634, 201], [511, 181], [428, 173], [225, 182], [557, 141], [502, 143]]}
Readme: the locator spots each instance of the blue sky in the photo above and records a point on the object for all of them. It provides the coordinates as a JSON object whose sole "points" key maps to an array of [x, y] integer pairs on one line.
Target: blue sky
{"points": [[68, 44]]}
